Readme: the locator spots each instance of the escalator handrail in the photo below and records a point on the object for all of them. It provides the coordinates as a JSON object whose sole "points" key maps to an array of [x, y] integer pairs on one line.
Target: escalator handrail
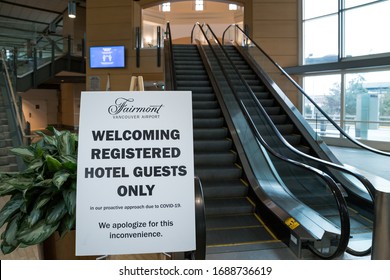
{"points": [[346, 135], [341, 204], [366, 183], [171, 58], [200, 218]]}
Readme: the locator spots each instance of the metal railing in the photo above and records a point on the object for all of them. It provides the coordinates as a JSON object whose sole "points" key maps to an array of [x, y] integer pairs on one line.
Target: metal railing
{"points": [[16, 110]]}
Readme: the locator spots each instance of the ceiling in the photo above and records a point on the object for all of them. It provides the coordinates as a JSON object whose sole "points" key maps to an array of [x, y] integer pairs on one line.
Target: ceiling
{"points": [[25, 22]]}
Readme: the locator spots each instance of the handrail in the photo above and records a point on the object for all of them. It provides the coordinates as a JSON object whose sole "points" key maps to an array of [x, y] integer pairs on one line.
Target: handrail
{"points": [[169, 65], [158, 46], [137, 46], [295, 84], [337, 193], [200, 218], [20, 120], [366, 183]]}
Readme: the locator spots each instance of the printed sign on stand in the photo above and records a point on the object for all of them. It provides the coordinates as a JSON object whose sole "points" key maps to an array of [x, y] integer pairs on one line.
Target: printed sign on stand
{"points": [[135, 177]]}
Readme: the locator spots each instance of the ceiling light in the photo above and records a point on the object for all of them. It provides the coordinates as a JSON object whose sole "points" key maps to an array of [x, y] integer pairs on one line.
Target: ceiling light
{"points": [[71, 9]]}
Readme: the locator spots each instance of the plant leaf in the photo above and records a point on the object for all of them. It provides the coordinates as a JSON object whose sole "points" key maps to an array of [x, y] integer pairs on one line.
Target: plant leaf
{"points": [[53, 164], [19, 184], [69, 162], [70, 201], [42, 201], [37, 234], [47, 138], [66, 143], [55, 213], [24, 152], [60, 178], [34, 216], [10, 208], [11, 231], [6, 249], [67, 224], [34, 166]]}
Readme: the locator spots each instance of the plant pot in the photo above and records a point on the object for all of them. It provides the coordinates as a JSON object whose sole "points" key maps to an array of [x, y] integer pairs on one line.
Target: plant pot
{"points": [[61, 248], [57, 248]]}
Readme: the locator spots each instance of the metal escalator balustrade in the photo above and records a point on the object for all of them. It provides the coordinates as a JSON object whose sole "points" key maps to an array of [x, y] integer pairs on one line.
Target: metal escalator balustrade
{"points": [[322, 249]]}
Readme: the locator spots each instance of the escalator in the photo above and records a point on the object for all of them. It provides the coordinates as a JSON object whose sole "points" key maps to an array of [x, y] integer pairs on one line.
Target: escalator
{"points": [[360, 215], [231, 221], [248, 205], [275, 115]]}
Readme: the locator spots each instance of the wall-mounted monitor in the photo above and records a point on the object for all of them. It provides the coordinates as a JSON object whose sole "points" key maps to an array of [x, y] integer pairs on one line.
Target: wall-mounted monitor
{"points": [[107, 57]]}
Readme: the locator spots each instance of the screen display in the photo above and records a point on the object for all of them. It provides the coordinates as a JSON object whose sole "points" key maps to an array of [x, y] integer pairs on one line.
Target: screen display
{"points": [[107, 57]]}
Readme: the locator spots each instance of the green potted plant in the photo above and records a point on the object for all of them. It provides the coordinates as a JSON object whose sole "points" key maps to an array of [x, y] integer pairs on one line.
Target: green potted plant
{"points": [[42, 197]]}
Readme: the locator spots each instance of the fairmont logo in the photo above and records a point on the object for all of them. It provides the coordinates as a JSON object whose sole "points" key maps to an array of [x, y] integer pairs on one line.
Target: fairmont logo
{"points": [[123, 105]]}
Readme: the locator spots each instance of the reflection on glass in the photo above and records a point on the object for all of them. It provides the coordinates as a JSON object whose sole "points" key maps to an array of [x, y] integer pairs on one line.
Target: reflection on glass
{"points": [[325, 91], [315, 8], [366, 98], [366, 37], [321, 40]]}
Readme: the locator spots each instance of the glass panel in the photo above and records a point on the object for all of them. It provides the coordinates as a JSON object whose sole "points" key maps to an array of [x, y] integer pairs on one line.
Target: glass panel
{"points": [[166, 7], [321, 40], [315, 8], [367, 102], [354, 3], [364, 30], [325, 91]]}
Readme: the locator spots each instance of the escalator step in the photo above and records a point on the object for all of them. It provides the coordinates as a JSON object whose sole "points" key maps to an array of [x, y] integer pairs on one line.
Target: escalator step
{"points": [[210, 133], [195, 90], [205, 105], [260, 93], [215, 159], [218, 173], [206, 113], [278, 119], [272, 110], [208, 123], [232, 221], [212, 146], [229, 206], [285, 128], [237, 236], [193, 83], [227, 188], [191, 77]]}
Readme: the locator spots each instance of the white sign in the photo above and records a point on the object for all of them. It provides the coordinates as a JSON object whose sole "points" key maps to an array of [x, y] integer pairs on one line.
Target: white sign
{"points": [[135, 177]]}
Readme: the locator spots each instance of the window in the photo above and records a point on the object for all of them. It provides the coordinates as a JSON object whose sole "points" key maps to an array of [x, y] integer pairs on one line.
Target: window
{"points": [[356, 97], [233, 7], [360, 104], [325, 47], [331, 33], [368, 36], [198, 5], [166, 7]]}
